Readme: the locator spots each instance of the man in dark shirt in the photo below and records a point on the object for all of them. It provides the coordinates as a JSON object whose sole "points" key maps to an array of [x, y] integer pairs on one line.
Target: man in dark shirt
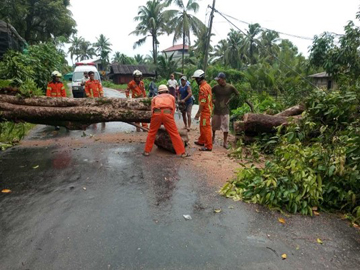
{"points": [[222, 94]]}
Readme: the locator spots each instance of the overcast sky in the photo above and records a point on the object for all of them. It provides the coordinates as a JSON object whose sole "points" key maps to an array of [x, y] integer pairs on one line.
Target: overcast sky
{"points": [[115, 19]]}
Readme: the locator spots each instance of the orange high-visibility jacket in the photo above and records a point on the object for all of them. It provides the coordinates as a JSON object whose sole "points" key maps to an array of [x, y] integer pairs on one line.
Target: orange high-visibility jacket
{"points": [[137, 90], [55, 89], [163, 101], [93, 89], [205, 98]]}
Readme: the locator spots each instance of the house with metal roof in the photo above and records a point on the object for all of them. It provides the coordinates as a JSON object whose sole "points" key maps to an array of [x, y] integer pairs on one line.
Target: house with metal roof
{"points": [[324, 81], [122, 74]]}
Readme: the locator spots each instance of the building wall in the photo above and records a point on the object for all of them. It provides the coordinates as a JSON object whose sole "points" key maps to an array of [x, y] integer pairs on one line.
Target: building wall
{"points": [[122, 79], [323, 83]]}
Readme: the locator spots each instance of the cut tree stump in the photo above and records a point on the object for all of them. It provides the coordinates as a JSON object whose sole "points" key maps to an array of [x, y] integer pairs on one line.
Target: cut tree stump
{"points": [[163, 140], [74, 113]]}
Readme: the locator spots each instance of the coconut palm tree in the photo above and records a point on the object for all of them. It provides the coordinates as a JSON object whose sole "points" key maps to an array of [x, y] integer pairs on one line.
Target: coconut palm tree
{"points": [[269, 44], [75, 46], [86, 51], [102, 47], [139, 59], [252, 41], [234, 54], [218, 56], [151, 24], [166, 65], [183, 23], [122, 59]]}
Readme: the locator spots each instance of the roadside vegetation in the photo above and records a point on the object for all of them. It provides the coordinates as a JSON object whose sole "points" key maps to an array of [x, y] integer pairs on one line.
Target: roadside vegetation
{"points": [[311, 165]]}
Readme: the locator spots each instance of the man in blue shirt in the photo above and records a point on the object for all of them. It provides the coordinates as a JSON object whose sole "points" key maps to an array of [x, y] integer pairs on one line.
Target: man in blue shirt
{"points": [[185, 101]]}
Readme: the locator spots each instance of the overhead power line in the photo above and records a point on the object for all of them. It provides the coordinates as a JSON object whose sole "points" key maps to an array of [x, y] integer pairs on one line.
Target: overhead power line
{"points": [[266, 49]]}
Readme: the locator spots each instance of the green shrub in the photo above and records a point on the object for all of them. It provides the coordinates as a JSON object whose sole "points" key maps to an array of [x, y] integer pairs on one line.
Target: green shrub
{"points": [[314, 164]]}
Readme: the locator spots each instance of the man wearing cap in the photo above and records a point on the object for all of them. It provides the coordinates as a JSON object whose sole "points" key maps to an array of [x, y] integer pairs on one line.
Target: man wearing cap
{"points": [[93, 88], [222, 95], [185, 102], [163, 109]]}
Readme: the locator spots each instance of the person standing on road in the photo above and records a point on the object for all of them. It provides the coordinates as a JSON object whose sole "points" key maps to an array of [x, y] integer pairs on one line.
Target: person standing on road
{"points": [[93, 88], [55, 88], [185, 102], [152, 88], [163, 109], [205, 110], [222, 93], [137, 89], [83, 81], [172, 84]]}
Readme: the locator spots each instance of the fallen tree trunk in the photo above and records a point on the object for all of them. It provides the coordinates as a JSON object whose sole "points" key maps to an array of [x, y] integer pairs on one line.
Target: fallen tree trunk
{"points": [[74, 113], [295, 110], [253, 124]]}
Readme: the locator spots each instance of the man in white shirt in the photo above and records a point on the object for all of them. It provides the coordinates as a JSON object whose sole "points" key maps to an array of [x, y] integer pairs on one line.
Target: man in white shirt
{"points": [[172, 85]]}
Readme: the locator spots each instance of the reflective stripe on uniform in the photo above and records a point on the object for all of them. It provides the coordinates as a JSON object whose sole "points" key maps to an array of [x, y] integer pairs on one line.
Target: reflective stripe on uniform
{"points": [[204, 122]]}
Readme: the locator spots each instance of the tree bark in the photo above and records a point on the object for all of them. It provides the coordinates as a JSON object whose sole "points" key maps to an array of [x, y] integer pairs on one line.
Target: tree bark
{"points": [[163, 140], [260, 123], [295, 110], [74, 113]]}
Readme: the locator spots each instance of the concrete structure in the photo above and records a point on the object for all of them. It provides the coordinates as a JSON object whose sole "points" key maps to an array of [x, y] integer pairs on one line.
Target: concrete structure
{"points": [[324, 81]]}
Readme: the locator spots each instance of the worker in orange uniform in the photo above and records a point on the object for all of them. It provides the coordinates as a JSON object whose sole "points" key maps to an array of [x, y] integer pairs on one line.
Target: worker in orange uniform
{"points": [[55, 88], [137, 89], [163, 109], [205, 111], [93, 88]]}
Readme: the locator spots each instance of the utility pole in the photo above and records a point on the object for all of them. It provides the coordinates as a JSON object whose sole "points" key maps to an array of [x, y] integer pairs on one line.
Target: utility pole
{"points": [[209, 35]]}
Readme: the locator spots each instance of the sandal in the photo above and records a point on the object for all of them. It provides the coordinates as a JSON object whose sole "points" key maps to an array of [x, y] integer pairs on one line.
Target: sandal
{"points": [[185, 155], [146, 154], [205, 149], [200, 144]]}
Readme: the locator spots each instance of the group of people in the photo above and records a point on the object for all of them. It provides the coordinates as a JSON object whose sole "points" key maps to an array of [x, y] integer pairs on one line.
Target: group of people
{"points": [[163, 106], [163, 109], [93, 88]]}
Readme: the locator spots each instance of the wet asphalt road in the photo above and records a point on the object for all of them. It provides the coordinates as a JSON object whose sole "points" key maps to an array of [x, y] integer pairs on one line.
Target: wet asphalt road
{"points": [[105, 206]]}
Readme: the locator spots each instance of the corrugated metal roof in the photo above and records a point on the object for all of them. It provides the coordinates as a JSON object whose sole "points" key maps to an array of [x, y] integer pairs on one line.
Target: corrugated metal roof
{"points": [[178, 47], [320, 75], [129, 69]]}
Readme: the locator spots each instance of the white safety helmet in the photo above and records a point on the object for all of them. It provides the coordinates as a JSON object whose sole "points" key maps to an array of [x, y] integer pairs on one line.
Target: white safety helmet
{"points": [[137, 73], [163, 88], [198, 74], [56, 74]]}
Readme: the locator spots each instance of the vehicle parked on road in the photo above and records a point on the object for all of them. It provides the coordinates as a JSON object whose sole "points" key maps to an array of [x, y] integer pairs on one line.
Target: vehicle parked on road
{"points": [[78, 90]]}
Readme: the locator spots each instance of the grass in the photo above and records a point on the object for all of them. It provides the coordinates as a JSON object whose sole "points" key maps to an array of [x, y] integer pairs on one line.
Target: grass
{"points": [[109, 84]]}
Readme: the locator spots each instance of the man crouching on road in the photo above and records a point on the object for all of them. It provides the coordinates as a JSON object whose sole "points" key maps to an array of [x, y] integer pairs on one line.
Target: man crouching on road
{"points": [[163, 109], [222, 95]]}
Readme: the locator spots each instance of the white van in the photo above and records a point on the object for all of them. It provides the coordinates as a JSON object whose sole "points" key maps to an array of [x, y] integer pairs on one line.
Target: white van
{"points": [[78, 90]]}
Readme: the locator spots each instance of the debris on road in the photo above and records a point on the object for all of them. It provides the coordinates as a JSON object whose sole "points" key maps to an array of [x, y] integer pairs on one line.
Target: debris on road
{"points": [[187, 217]]}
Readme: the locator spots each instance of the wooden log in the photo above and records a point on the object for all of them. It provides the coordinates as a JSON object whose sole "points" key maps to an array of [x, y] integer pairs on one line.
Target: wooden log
{"points": [[239, 127], [295, 110], [74, 113], [260, 123], [163, 140]]}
